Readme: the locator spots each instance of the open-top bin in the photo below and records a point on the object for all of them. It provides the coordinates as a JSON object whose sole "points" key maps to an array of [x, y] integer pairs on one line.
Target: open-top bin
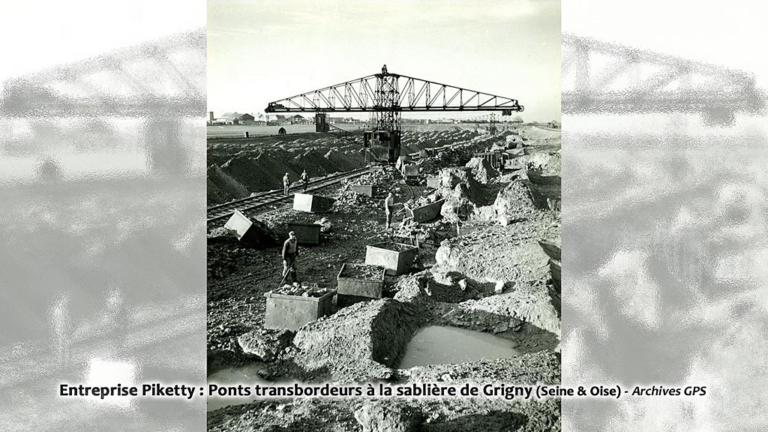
{"points": [[306, 233], [425, 213], [367, 190], [291, 312], [248, 231], [396, 258], [358, 282], [312, 203]]}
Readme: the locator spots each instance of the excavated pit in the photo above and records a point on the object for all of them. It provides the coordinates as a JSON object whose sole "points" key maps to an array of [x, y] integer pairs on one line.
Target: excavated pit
{"points": [[238, 167], [451, 345], [491, 285], [247, 375]]}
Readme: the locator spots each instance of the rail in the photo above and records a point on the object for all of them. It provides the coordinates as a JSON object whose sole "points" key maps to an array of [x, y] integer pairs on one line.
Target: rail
{"points": [[262, 199]]}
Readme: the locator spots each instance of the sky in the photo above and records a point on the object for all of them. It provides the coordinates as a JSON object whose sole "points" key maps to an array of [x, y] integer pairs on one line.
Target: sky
{"points": [[263, 51], [729, 34], [79, 29]]}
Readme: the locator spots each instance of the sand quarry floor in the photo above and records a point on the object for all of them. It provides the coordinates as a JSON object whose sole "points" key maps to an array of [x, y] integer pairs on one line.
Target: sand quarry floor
{"points": [[492, 277]]}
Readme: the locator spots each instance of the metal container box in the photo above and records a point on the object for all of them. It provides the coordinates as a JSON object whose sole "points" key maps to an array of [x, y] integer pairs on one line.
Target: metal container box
{"points": [[247, 231], [306, 233], [411, 170], [366, 190], [433, 182], [396, 258], [425, 213], [352, 290], [312, 203], [292, 312]]}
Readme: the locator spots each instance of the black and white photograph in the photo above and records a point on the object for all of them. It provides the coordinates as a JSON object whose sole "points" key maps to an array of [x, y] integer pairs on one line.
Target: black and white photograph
{"points": [[383, 208], [383, 216]]}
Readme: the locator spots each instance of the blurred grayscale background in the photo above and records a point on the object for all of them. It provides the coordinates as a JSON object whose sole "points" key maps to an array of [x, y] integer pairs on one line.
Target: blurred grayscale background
{"points": [[664, 212], [102, 206]]}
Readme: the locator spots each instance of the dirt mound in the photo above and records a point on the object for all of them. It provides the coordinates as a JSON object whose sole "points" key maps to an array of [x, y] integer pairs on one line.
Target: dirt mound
{"points": [[423, 287], [222, 234], [461, 192], [452, 177], [343, 161], [513, 203], [544, 163], [509, 255], [259, 174], [226, 185], [388, 416], [481, 169], [268, 345], [497, 254], [314, 162], [530, 303], [217, 195], [460, 204], [528, 369], [360, 342]]}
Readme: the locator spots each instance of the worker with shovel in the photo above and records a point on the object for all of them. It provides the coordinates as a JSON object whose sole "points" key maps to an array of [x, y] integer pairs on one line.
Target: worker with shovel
{"points": [[290, 252]]}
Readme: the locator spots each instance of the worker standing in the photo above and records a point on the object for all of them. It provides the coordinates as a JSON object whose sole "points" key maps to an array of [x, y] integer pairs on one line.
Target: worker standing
{"points": [[290, 252], [389, 203], [305, 179], [286, 184]]}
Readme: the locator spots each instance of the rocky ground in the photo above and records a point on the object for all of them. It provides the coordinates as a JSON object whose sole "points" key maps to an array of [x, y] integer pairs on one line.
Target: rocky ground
{"points": [[480, 267]]}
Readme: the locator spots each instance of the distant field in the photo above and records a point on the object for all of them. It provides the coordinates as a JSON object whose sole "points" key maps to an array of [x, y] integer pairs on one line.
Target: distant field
{"points": [[238, 130]]}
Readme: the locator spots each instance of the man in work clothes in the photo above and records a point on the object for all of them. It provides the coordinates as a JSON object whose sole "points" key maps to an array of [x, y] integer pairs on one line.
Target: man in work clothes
{"points": [[290, 252], [286, 184], [389, 203], [305, 179]]}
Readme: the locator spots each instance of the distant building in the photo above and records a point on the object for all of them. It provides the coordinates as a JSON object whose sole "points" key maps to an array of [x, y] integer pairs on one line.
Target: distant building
{"points": [[297, 119], [235, 118], [278, 120]]}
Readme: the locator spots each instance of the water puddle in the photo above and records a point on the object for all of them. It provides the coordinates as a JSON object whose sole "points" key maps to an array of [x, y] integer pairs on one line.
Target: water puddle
{"points": [[246, 375], [451, 345]]}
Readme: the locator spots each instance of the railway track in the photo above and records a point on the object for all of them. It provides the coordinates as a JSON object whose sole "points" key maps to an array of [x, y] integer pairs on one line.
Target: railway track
{"points": [[261, 199]]}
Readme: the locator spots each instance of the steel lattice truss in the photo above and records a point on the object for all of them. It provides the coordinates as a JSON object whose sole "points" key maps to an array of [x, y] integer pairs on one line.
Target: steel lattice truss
{"points": [[159, 79], [600, 77], [390, 92]]}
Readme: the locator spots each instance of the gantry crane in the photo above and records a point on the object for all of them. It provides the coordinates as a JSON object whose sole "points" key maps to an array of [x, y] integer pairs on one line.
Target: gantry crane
{"points": [[386, 96], [634, 81]]}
